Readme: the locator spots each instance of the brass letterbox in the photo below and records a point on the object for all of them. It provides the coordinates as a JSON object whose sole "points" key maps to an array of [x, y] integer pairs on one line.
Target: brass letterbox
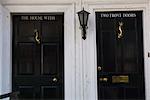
{"points": [[120, 79]]}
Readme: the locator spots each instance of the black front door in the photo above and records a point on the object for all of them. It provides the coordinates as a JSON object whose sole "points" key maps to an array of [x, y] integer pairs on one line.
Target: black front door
{"points": [[120, 67], [38, 56]]}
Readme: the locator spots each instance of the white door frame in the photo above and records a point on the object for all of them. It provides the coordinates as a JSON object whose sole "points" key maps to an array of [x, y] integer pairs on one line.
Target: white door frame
{"points": [[69, 40], [89, 45]]}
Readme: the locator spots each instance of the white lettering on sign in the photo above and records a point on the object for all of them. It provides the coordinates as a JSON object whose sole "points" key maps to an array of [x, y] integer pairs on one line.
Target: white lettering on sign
{"points": [[24, 18], [111, 15], [49, 17], [38, 18], [115, 15], [129, 15]]}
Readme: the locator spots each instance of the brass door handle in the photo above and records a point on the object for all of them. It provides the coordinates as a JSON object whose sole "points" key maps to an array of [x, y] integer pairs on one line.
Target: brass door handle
{"points": [[120, 33], [55, 79], [37, 36]]}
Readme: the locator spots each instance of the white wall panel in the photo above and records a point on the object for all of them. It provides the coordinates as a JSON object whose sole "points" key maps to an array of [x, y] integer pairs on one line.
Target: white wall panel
{"points": [[6, 52], [69, 43], [0, 49], [37, 1], [5, 78], [116, 1], [83, 51], [91, 65], [68, 1], [147, 61]]}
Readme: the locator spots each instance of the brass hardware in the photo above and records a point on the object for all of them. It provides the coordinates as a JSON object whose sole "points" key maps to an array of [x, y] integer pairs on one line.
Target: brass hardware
{"points": [[103, 79], [99, 68], [37, 36], [120, 33], [55, 79], [120, 79]]}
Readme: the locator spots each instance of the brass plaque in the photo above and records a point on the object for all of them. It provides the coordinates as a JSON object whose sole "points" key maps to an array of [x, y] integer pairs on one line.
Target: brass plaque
{"points": [[120, 79]]}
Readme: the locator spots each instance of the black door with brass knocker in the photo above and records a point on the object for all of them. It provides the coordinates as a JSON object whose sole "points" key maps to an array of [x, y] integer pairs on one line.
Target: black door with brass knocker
{"points": [[38, 56], [120, 60]]}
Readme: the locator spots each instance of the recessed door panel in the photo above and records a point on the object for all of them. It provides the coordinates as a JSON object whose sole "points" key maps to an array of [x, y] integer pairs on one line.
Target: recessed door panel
{"points": [[38, 56], [50, 59], [120, 67], [54, 34], [25, 58], [26, 30], [26, 92], [51, 93]]}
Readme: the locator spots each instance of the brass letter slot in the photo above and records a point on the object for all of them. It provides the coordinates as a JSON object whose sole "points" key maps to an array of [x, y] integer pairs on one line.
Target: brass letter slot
{"points": [[120, 79]]}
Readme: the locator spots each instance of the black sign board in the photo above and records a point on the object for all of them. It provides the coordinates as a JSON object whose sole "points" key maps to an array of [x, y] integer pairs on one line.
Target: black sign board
{"points": [[38, 17]]}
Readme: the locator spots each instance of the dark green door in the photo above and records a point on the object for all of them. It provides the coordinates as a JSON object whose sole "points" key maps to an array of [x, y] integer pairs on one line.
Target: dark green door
{"points": [[38, 56], [120, 67]]}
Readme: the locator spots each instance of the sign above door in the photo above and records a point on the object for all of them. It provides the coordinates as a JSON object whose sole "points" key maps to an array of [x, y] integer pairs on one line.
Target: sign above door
{"points": [[117, 14], [38, 18]]}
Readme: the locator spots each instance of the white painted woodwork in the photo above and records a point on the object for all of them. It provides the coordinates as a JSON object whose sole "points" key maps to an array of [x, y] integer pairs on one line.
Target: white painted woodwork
{"points": [[5, 46], [80, 55], [0, 49], [69, 43], [90, 45], [71, 1]]}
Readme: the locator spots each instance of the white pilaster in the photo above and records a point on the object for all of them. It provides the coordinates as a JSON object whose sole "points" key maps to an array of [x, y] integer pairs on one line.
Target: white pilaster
{"points": [[6, 52], [0, 49]]}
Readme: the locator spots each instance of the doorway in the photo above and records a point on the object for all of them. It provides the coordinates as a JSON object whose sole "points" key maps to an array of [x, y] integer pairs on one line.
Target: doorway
{"points": [[38, 56], [120, 60]]}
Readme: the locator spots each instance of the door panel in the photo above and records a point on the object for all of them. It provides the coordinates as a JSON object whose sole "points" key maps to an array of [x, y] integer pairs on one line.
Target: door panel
{"points": [[50, 92], [26, 92], [120, 58], [25, 31], [25, 53], [38, 56], [54, 34], [50, 59]]}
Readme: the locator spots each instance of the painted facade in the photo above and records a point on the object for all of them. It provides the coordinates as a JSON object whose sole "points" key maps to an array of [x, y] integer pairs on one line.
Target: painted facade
{"points": [[80, 64]]}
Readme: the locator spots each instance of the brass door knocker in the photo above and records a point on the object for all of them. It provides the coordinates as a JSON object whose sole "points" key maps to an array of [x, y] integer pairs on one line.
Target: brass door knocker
{"points": [[36, 36], [120, 33]]}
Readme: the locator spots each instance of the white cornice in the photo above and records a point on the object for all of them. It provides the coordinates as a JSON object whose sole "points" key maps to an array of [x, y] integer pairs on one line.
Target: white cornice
{"points": [[37, 2], [110, 2], [50, 2]]}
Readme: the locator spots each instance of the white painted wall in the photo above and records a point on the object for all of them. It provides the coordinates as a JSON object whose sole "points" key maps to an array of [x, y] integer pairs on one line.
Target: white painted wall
{"points": [[37, 1], [0, 49], [90, 44], [69, 43], [117, 1], [147, 60], [5, 55], [68, 1], [6, 52], [5, 77], [83, 52]]}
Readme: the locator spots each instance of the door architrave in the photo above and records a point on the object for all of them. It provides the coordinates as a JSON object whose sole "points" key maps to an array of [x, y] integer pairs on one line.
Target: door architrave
{"points": [[90, 54], [69, 41]]}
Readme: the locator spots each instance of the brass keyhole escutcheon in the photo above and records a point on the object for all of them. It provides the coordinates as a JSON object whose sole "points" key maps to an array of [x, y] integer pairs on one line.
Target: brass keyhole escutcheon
{"points": [[99, 68]]}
